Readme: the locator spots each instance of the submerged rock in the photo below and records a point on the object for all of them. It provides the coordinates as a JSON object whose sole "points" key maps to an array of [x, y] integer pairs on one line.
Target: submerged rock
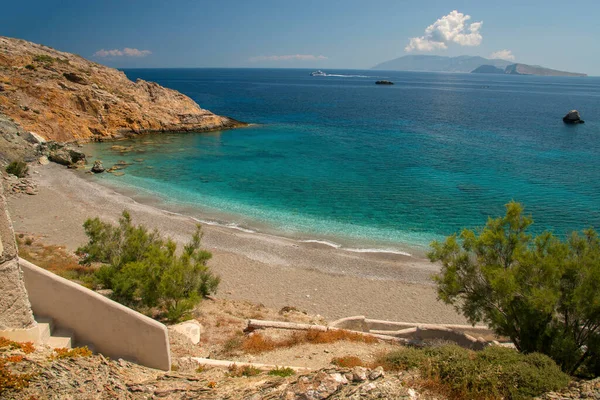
{"points": [[573, 117], [98, 167]]}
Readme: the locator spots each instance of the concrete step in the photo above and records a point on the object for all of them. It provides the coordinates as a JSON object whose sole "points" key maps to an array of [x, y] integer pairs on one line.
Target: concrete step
{"points": [[61, 338], [44, 328], [52, 336], [58, 342]]}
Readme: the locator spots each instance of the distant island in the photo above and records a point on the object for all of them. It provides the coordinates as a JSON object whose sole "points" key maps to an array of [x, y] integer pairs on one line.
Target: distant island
{"points": [[467, 64], [523, 69]]}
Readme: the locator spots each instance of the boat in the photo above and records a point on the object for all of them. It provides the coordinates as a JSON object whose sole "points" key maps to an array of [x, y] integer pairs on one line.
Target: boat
{"points": [[384, 83], [318, 73]]}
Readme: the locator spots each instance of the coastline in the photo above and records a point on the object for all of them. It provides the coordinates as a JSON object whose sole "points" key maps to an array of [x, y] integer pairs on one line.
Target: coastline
{"points": [[257, 267]]}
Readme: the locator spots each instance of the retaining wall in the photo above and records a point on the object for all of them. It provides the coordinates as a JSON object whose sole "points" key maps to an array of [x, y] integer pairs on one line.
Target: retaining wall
{"points": [[109, 327]]}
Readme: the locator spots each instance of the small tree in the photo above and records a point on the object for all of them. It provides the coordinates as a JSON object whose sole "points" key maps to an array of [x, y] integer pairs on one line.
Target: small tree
{"points": [[541, 292], [143, 270], [17, 168]]}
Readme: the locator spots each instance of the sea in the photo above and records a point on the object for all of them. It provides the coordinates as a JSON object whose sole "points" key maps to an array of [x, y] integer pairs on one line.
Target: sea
{"points": [[340, 160]]}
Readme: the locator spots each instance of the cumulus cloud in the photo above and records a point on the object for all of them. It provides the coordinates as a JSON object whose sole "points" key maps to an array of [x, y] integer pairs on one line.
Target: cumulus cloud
{"points": [[126, 52], [451, 28], [291, 57], [503, 55]]}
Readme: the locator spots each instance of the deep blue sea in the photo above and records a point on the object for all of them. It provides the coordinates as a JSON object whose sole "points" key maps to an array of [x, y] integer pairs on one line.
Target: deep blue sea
{"points": [[343, 160]]}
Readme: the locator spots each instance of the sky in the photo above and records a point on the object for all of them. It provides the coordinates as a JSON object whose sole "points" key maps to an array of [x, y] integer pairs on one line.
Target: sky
{"points": [[325, 34]]}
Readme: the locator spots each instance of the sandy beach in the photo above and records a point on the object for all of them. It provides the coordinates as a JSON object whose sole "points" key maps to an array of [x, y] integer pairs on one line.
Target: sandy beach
{"points": [[261, 268]]}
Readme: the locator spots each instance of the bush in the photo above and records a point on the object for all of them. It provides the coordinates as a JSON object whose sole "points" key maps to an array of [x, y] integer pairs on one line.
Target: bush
{"points": [[143, 270], [246, 370], [282, 372], [30, 67], [348, 362], [17, 168], [541, 292], [44, 58], [494, 373]]}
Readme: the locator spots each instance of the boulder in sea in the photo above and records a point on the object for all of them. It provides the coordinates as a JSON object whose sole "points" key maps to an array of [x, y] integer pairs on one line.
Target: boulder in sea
{"points": [[98, 167], [384, 83], [573, 117]]}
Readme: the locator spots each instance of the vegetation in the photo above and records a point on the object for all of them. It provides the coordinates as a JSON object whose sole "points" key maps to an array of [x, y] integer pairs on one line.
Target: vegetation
{"points": [[541, 292], [71, 353], [8, 379], [246, 370], [494, 373], [17, 168], [144, 271], [348, 362], [56, 260], [25, 347], [30, 67], [44, 58], [282, 372], [258, 343]]}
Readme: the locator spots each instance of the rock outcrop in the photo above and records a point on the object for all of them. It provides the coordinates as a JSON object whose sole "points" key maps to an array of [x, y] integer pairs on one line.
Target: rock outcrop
{"points": [[64, 97], [98, 167], [573, 117]]}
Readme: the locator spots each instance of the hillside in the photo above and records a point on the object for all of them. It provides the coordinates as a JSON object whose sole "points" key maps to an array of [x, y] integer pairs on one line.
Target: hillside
{"points": [[524, 69], [487, 69], [427, 63], [64, 97]]}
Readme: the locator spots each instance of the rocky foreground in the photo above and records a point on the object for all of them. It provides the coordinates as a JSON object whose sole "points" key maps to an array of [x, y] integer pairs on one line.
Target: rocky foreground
{"points": [[64, 97]]}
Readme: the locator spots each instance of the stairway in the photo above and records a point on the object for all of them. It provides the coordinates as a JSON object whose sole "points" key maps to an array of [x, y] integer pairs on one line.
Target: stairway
{"points": [[53, 337]]}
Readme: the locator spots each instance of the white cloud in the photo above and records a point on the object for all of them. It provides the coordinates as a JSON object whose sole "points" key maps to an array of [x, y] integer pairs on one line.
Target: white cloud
{"points": [[451, 28], [503, 55], [126, 52], [291, 57]]}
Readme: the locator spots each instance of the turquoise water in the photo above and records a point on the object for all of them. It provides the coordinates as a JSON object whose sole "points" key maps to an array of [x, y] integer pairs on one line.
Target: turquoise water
{"points": [[340, 159]]}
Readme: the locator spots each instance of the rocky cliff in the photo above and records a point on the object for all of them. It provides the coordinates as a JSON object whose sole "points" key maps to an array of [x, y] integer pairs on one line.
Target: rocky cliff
{"points": [[64, 97]]}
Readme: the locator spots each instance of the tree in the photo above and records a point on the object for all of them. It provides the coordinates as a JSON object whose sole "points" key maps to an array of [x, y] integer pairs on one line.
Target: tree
{"points": [[541, 292], [144, 270]]}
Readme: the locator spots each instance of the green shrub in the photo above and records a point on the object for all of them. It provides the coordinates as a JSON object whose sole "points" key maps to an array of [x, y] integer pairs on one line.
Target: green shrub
{"points": [[17, 168], [30, 67], [282, 372], [405, 359], [44, 58], [246, 370], [143, 270], [541, 292], [494, 373]]}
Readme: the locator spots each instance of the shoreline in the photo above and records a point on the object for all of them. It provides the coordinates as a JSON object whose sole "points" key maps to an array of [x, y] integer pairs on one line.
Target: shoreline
{"points": [[258, 267], [209, 217]]}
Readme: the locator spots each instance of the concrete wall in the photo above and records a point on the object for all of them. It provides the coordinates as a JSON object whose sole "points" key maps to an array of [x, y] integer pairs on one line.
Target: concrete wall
{"points": [[111, 328], [15, 310], [463, 335]]}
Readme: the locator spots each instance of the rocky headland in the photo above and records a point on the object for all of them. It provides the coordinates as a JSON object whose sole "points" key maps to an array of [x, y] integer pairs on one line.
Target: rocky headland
{"points": [[523, 69], [63, 97]]}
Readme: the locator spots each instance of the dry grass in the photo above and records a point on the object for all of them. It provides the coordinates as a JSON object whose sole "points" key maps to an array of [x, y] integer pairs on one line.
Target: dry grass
{"points": [[26, 347], [350, 362], [71, 353], [56, 260], [258, 343], [246, 370], [8, 379]]}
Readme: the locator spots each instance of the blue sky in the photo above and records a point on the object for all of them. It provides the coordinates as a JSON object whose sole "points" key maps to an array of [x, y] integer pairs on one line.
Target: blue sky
{"points": [[309, 34]]}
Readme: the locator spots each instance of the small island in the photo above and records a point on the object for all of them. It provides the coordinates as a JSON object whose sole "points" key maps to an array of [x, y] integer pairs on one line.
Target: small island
{"points": [[523, 69], [384, 83]]}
